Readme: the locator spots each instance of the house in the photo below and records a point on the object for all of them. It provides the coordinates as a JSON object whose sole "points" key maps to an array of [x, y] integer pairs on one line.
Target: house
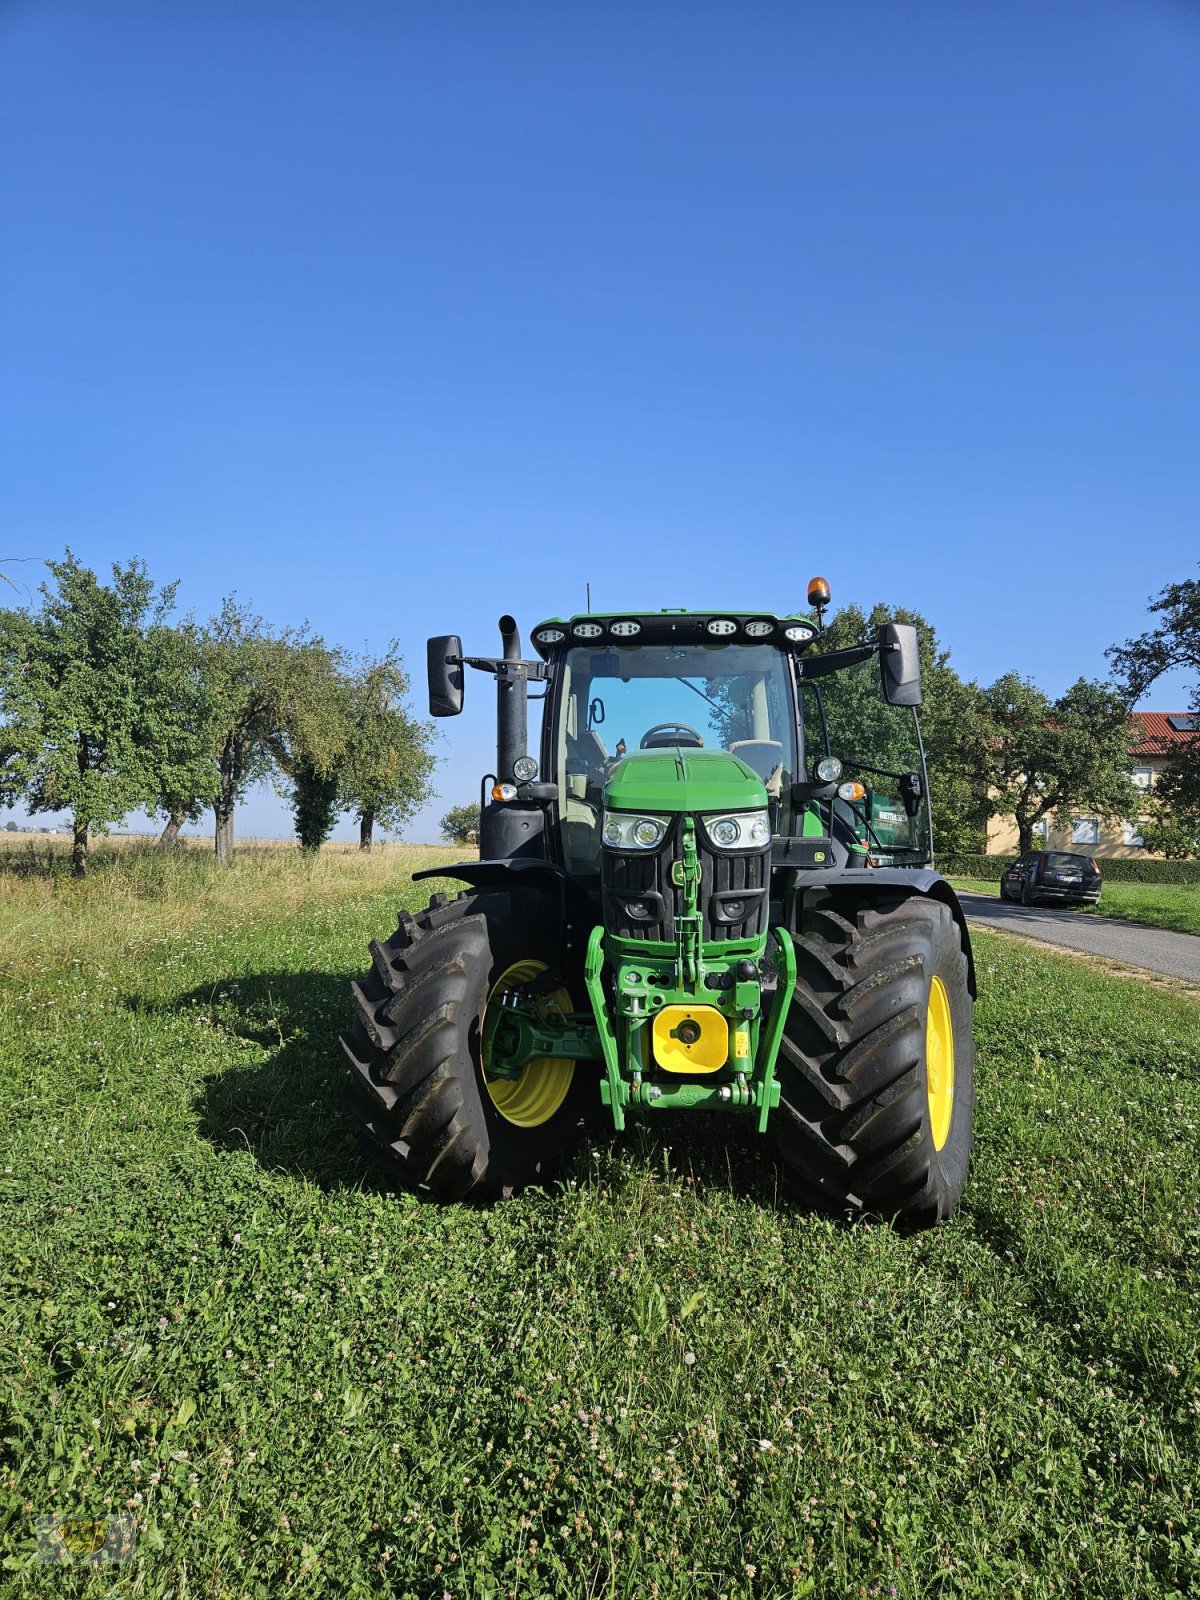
{"points": [[1156, 737]]}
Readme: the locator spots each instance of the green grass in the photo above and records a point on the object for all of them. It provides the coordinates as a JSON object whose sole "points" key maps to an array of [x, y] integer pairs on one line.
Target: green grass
{"points": [[658, 1381], [1157, 905]]}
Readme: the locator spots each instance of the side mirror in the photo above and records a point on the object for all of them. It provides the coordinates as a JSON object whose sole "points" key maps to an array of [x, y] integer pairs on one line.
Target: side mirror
{"points": [[900, 664], [445, 663]]}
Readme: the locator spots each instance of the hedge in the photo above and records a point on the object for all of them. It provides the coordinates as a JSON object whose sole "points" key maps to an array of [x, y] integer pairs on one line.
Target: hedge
{"points": [[1115, 869]]}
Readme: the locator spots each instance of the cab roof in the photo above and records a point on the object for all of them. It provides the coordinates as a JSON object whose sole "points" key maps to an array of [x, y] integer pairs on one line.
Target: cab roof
{"points": [[793, 631]]}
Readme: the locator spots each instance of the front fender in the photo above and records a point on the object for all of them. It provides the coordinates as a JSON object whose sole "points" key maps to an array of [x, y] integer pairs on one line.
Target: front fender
{"points": [[580, 912]]}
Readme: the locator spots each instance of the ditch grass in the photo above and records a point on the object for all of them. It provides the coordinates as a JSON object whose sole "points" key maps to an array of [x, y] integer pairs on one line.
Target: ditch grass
{"points": [[658, 1380], [1155, 905]]}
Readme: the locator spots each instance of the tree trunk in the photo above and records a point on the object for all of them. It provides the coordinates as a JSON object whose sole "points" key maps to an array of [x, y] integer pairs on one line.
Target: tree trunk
{"points": [[366, 828], [223, 804], [1024, 837], [223, 815], [79, 849], [170, 834]]}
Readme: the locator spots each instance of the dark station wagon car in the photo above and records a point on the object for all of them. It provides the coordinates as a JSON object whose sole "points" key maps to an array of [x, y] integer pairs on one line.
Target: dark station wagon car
{"points": [[1052, 875]]}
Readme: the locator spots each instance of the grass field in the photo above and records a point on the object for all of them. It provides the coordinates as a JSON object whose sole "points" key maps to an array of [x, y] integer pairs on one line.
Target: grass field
{"points": [[659, 1381], [1158, 905]]}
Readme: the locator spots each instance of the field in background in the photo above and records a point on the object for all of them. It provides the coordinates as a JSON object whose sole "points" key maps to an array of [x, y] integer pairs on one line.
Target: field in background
{"points": [[1156, 905], [660, 1380]]}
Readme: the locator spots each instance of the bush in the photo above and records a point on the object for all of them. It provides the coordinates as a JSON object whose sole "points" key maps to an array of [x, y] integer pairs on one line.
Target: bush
{"points": [[1115, 869]]}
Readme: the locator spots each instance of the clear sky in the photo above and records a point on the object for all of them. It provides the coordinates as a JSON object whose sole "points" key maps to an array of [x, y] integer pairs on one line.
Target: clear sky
{"points": [[397, 316]]}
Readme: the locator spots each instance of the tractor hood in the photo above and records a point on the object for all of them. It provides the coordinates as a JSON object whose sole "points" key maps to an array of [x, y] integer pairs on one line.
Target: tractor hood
{"points": [[683, 779]]}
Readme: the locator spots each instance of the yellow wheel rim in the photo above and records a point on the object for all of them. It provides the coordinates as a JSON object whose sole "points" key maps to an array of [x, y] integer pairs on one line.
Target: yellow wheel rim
{"points": [[536, 1095], [939, 1062]]}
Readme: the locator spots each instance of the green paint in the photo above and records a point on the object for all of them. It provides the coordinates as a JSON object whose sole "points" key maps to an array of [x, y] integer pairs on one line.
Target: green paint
{"points": [[515, 1033], [679, 779], [613, 1091], [785, 982]]}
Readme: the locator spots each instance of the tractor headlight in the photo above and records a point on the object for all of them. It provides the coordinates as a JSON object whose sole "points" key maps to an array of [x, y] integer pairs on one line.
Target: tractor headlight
{"points": [[625, 830], [741, 830]]}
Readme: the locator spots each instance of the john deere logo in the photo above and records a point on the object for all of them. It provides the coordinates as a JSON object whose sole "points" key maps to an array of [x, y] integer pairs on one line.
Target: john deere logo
{"points": [[85, 1541], [679, 873]]}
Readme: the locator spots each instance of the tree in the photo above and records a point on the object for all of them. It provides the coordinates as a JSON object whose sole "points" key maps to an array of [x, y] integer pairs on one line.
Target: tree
{"points": [[187, 778], [88, 719], [311, 741], [314, 805], [1173, 644], [384, 775], [1043, 757], [259, 684], [459, 823], [1173, 829]]}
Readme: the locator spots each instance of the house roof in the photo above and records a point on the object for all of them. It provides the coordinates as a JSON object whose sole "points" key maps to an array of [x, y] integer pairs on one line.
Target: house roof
{"points": [[1157, 733]]}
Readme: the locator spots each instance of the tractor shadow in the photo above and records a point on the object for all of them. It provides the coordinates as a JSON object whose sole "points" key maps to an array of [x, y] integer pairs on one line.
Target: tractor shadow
{"points": [[286, 1109], [709, 1153]]}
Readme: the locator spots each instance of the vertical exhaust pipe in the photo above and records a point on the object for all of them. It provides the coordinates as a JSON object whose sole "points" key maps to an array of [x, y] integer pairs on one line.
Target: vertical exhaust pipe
{"points": [[510, 638], [512, 730], [510, 828]]}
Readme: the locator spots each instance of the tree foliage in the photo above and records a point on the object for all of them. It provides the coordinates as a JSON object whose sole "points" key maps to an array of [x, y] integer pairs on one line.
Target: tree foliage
{"points": [[384, 773], [94, 722], [1044, 757], [459, 823], [314, 805], [1172, 644], [270, 696]]}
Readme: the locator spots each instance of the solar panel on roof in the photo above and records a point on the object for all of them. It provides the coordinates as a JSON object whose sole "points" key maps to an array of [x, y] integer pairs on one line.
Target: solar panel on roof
{"points": [[1187, 724]]}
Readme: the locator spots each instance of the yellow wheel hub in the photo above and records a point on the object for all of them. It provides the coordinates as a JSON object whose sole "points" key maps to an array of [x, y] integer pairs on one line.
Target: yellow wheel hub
{"points": [[536, 1095], [939, 1062]]}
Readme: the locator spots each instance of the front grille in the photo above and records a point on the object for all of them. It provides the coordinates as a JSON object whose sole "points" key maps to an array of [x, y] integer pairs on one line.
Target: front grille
{"points": [[725, 872], [645, 875], [625, 877]]}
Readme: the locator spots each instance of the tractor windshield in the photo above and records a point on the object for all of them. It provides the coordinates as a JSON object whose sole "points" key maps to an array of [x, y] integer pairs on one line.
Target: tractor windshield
{"points": [[615, 700]]}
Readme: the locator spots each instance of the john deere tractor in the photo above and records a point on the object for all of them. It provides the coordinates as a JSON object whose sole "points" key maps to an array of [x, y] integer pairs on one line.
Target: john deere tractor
{"points": [[709, 891]]}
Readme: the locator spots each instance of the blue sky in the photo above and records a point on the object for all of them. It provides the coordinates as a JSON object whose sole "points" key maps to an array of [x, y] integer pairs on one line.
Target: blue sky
{"points": [[394, 317]]}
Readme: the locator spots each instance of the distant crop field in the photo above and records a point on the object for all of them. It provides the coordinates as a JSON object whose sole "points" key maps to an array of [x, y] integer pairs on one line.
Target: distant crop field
{"points": [[659, 1380]]}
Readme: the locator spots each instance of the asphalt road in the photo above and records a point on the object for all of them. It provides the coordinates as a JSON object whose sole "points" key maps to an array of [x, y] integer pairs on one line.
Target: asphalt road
{"points": [[1175, 955]]}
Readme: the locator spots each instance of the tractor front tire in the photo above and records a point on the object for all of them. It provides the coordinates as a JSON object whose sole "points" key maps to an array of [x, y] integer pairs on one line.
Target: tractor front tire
{"points": [[876, 1064], [429, 1112]]}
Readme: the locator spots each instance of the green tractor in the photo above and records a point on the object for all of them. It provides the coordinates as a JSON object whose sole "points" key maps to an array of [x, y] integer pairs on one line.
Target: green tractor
{"points": [[710, 891]]}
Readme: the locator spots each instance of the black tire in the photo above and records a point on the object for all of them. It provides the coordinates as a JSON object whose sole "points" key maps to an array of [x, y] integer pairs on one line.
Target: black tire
{"points": [[417, 1087], [854, 1125]]}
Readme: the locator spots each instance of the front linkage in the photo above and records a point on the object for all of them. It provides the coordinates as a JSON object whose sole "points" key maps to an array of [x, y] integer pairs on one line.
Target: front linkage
{"points": [[685, 1012]]}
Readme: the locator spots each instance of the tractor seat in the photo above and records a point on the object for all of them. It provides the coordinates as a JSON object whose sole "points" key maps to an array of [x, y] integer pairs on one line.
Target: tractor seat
{"points": [[764, 756]]}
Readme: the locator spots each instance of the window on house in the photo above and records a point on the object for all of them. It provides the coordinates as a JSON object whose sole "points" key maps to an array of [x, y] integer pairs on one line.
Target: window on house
{"points": [[1143, 777], [1041, 828], [1132, 833], [1085, 830]]}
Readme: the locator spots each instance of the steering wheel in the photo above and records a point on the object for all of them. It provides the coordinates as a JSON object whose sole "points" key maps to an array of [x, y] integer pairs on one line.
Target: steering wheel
{"points": [[667, 733]]}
